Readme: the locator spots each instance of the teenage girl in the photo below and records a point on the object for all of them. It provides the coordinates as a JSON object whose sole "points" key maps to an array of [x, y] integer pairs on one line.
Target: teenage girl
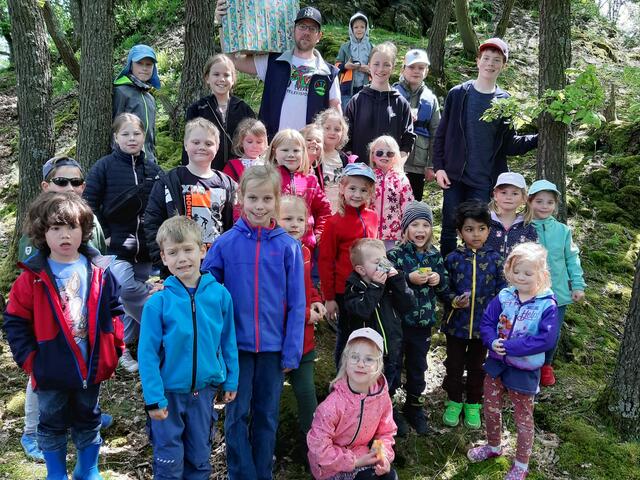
{"points": [[262, 267]]}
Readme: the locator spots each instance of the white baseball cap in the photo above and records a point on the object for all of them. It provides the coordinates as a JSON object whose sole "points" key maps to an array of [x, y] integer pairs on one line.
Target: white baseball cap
{"points": [[511, 178], [416, 55], [369, 334]]}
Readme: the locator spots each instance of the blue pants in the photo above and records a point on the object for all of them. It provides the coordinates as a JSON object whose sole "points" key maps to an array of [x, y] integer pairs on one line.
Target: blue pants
{"points": [[64, 409], [453, 196], [548, 356], [134, 291], [250, 444], [182, 442]]}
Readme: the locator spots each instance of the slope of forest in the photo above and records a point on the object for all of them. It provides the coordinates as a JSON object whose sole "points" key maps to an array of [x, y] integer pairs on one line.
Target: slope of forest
{"points": [[575, 439]]}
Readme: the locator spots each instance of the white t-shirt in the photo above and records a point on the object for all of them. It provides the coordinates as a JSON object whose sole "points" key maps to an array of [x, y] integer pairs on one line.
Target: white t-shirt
{"points": [[295, 99]]}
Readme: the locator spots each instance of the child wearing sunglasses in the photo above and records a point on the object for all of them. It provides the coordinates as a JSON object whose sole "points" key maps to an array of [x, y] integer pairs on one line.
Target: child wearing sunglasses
{"points": [[393, 189]]}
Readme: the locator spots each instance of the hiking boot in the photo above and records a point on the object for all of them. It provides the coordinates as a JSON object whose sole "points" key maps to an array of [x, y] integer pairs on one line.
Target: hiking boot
{"points": [[29, 443], [451, 416], [128, 362], [516, 473], [401, 423], [547, 378], [472, 415], [414, 413], [482, 453]]}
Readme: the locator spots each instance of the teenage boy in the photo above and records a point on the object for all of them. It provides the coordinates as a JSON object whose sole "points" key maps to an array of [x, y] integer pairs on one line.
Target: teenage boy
{"points": [[187, 349], [425, 112], [468, 153]]}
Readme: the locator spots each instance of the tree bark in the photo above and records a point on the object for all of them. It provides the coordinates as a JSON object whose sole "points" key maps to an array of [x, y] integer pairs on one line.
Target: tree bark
{"points": [[467, 33], [64, 49], [503, 23], [554, 59], [437, 37], [75, 11], [96, 78], [624, 398]]}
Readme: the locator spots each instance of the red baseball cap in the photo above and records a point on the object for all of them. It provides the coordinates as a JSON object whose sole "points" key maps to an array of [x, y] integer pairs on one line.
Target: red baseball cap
{"points": [[497, 43]]}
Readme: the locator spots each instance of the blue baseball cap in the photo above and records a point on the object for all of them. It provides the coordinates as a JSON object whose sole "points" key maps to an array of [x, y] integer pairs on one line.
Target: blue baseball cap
{"points": [[56, 162], [359, 169], [542, 186]]}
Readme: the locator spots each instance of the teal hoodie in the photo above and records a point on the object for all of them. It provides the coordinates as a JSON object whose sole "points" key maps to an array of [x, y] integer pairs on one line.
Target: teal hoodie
{"points": [[187, 341], [563, 259]]}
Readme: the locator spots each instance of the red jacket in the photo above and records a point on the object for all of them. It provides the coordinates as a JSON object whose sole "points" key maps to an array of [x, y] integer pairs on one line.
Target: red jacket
{"points": [[312, 296], [40, 339], [340, 232]]}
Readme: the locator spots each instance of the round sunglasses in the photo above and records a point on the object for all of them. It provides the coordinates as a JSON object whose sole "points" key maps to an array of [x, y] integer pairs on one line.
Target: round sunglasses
{"points": [[382, 153]]}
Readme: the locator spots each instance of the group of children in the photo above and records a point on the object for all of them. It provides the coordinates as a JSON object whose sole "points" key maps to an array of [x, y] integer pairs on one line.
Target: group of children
{"points": [[238, 241]]}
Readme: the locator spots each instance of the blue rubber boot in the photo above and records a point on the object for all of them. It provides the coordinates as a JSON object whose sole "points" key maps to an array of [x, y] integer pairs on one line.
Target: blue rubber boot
{"points": [[56, 462], [87, 463]]}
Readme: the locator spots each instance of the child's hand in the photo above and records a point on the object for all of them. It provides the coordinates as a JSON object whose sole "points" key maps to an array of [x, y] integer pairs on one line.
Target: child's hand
{"points": [[229, 397], [159, 413], [351, 66], [577, 295], [332, 309], [156, 287], [221, 9], [368, 459], [392, 272], [418, 278], [286, 370], [365, 69], [434, 279], [429, 174], [379, 277], [461, 301], [382, 467], [317, 312], [498, 347]]}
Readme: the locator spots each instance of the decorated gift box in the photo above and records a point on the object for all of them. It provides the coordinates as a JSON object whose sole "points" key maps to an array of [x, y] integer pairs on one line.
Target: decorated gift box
{"points": [[258, 25]]}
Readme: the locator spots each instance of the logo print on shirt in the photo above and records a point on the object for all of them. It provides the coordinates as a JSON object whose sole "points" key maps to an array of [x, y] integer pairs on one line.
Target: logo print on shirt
{"points": [[300, 77]]}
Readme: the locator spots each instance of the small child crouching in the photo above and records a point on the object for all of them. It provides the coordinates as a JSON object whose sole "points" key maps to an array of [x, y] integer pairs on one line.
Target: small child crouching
{"points": [[187, 349]]}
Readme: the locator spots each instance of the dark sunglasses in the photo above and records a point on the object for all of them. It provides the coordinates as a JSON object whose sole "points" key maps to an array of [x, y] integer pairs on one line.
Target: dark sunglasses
{"points": [[63, 181], [382, 153]]}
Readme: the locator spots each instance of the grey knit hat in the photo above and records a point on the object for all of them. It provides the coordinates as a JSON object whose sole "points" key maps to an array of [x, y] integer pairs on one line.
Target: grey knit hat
{"points": [[413, 211]]}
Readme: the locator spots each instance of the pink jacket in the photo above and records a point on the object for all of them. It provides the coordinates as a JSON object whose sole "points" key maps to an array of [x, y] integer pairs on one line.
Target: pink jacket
{"points": [[344, 426], [393, 192]]}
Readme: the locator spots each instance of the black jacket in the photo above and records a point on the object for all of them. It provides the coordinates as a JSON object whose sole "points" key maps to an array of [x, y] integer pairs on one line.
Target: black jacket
{"points": [[118, 187], [207, 107]]}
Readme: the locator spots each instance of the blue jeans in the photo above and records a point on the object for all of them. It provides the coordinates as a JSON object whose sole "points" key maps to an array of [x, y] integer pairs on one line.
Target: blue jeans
{"points": [[182, 441], [250, 444], [134, 291], [453, 196], [64, 409], [548, 356]]}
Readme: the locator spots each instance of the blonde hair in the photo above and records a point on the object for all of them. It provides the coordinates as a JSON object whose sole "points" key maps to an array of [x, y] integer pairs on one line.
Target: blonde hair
{"points": [[288, 134], [534, 253], [306, 130], [124, 118], [386, 48], [391, 143], [344, 181], [261, 174], [203, 123], [344, 360], [295, 202], [179, 229], [215, 59], [357, 250], [528, 211], [333, 114], [493, 205], [248, 126]]}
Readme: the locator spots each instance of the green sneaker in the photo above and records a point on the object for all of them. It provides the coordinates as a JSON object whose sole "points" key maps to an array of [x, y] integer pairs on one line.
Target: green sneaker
{"points": [[451, 416], [472, 415]]}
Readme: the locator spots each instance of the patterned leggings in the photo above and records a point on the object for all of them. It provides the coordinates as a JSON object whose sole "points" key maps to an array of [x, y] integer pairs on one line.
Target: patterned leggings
{"points": [[522, 411]]}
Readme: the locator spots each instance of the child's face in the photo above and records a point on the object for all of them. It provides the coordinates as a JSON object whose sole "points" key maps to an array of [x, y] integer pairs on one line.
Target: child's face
{"points": [[220, 79], [381, 66], [362, 365], [543, 205], [419, 233], [414, 74], [313, 139], [259, 203], [293, 220], [142, 69], [490, 63], [508, 198], [254, 145], [370, 259], [64, 241], [356, 191], [201, 147], [332, 133], [130, 138], [525, 277], [474, 233], [183, 260], [289, 154], [359, 28], [60, 182], [383, 157]]}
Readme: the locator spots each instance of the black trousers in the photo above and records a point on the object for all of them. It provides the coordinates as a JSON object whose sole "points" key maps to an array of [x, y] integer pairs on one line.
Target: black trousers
{"points": [[417, 182], [416, 342], [464, 354]]}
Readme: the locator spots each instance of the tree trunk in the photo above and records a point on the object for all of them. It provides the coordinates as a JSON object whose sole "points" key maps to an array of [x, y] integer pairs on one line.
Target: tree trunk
{"points": [[437, 37], [96, 78], [198, 46], [554, 59], [467, 33], [624, 398], [75, 11], [64, 49], [503, 23]]}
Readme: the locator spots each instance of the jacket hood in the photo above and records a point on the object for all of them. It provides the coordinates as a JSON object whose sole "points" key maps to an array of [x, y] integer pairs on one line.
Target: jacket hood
{"points": [[495, 218], [249, 230], [343, 390], [137, 53], [354, 17], [380, 97], [544, 221], [38, 263], [545, 294]]}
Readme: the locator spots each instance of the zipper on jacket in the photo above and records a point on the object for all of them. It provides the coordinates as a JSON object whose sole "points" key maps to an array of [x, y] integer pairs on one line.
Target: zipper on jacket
{"points": [[384, 178], [355, 435], [255, 290], [146, 115], [384, 336], [364, 226], [473, 296], [135, 178], [95, 338], [194, 365]]}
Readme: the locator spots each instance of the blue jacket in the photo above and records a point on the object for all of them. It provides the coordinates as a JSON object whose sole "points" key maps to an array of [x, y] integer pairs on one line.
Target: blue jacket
{"points": [[263, 269], [529, 329], [503, 240], [479, 273], [187, 341], [450, 144]]}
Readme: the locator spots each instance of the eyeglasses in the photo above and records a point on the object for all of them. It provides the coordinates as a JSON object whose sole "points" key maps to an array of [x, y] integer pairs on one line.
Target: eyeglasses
{"points": [[382, 153], [303, 27], [368, 360], [63, 181]]}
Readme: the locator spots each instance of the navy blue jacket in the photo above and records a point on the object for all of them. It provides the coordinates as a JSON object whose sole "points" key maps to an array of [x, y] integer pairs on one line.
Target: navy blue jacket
{"points": [[450, 143]]}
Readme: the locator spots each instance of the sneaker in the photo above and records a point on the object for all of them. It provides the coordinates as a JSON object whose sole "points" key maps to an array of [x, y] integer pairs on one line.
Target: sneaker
{"points": [[451, 416], [516, 473], [482, 453], [472, 415], [106, 421], [30, 445], [547, 378], [128, 362], [401, 423]]}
